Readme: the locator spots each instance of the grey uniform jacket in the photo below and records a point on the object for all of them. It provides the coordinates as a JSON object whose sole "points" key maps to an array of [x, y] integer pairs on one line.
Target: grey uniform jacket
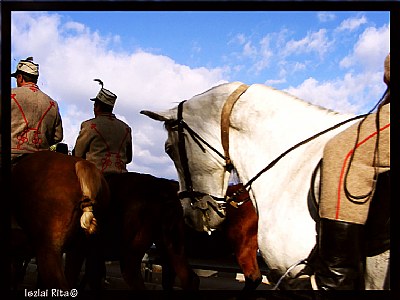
{"points": [[105, 141], [35, 120]]}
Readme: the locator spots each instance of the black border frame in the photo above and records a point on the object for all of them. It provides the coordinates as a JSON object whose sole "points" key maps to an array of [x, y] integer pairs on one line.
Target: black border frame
{"points": [[7, 6]]}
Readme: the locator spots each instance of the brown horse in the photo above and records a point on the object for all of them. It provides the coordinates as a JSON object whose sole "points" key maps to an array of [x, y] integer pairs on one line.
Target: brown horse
{"points": [[241, 226], [237, 235], [145, 209], [54, 197]]}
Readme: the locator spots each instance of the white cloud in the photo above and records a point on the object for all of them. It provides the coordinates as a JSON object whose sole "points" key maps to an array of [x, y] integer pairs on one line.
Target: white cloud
{"points": [[326, 16], [196, 49], [71, 56], [370, 50], [317, 42], [361, 85], [28, 30], [238, 39], [326, 94], [77, 27], [272, 82], [266, 54], [249, 50], [344, 95], [352, 24]]}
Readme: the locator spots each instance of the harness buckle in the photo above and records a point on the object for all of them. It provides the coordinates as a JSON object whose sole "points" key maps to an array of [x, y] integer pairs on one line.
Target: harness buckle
{"points": [[229, 165], [234, 204]]}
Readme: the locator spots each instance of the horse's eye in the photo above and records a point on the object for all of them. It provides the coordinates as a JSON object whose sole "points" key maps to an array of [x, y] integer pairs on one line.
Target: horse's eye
{"points": [[168, 149], [171, 125]]}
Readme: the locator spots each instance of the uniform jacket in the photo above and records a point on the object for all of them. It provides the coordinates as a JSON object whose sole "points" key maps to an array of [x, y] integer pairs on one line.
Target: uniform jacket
{"points": [[35, 120], [352, 160], [107, 142]]}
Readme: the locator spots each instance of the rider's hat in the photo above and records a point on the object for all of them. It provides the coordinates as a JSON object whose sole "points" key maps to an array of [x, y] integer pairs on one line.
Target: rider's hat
{"points": [[27, 66], [105, 95], [387, 69]]}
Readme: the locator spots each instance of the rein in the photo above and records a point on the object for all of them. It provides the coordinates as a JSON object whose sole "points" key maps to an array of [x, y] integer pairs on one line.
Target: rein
{"points": [[225, 123], [275, 161]]}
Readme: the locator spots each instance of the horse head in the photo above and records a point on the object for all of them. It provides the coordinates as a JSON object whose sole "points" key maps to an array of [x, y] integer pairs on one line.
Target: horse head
{"points": [[194, 145]]}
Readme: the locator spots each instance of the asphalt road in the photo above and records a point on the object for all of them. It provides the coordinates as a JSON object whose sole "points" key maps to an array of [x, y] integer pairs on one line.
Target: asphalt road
{"points": [[209, 279], [213, 285]]}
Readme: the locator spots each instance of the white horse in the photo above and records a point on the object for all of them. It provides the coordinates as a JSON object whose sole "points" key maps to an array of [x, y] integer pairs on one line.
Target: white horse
{"points": [[264, 123]]}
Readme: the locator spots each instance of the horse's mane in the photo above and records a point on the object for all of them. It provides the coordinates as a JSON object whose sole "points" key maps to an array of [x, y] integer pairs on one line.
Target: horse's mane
{"points": [[307, 103], [171, 124], [295, 98]]}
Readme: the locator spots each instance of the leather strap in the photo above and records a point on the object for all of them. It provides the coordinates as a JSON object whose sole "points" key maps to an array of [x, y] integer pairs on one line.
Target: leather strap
{"points": [[225, 122]]}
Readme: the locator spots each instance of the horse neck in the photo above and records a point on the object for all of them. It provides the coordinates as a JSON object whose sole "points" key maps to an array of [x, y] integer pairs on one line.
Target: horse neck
{"points": [[267, 122], [264, 123]]}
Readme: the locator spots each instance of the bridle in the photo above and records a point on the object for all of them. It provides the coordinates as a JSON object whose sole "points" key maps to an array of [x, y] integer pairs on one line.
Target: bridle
{"points": [[190, 192], [225, 122]]}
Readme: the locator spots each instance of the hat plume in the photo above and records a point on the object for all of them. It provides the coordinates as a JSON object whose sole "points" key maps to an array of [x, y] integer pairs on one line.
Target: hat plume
{"points": [[99, 81]]}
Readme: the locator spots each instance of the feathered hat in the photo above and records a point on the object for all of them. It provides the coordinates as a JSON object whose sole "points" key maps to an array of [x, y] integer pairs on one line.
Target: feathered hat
{"points": [[105, 95]]}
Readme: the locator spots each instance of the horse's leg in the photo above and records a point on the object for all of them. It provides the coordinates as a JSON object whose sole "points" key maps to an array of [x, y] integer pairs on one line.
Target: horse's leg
{"points": [[168, 272], [74, 259], [21, 254], [377, 271], [246, 255], [50, 267], [95, 269], [173, 247], [18, 271], [131, 269], [168, 276], [131, 258], [242, 235], [49, 251]]}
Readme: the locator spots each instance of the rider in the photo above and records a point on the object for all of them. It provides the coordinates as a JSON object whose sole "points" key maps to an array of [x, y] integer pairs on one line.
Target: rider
{"points": [[105, 140], [35, 118], [351, 162]]}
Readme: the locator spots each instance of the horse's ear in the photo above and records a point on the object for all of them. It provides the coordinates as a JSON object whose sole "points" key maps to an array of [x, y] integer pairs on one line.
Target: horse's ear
{"points": [[154, 115]]}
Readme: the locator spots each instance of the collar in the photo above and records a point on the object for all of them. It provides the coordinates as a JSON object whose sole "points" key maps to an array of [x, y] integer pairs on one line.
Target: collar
{"points": [[29, 85], [108, 115]]}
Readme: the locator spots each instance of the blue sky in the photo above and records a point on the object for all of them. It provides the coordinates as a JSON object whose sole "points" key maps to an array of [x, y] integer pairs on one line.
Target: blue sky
{"points": [[215, 39], [153, 60]]}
